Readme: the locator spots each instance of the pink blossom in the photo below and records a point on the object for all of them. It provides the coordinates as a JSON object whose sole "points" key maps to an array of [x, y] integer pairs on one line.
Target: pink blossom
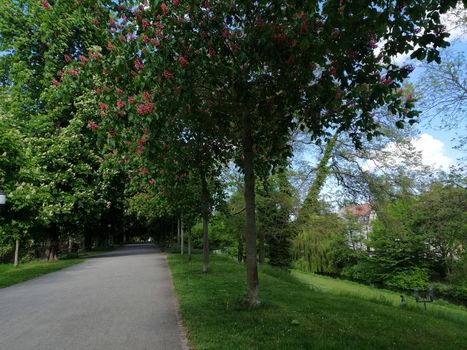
{"points": [[83, 58], [120, 104], [165, 9], [176, 2], [386, 81], [211, 52], [55, 82], [145, 108], [67, 58], [45, 5], [168, 75], [138, 64], [92, 125], [95, 21], [182, 61], [103, 106], [73, 72]]}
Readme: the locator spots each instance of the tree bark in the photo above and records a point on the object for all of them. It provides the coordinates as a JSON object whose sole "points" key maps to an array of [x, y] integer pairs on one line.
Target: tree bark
{"points": [[189, 245], [252, 295], [178, 231], [16, 252], [52, 244], [205, 200], [182, 248], [310, 205]]}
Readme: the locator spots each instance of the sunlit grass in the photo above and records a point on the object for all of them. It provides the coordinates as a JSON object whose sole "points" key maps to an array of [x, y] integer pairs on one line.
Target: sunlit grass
{"points": [[295, 316]]}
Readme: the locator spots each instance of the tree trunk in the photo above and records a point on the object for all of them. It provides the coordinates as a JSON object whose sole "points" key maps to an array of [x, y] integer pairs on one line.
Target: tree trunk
{"points": [[52, 245], [178, 231], [252, 295], [310, 205], [182, 248], [16, 252], [70, 245], [205, 200], [189, 245]]}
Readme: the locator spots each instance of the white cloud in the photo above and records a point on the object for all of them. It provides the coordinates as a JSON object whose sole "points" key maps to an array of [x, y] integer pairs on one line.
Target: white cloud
{"points": [[432, 152], [429, 150]]}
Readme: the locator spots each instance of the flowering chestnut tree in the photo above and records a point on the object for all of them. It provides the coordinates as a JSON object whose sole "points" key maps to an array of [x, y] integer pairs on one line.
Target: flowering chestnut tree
{"points": [[251, 72]]}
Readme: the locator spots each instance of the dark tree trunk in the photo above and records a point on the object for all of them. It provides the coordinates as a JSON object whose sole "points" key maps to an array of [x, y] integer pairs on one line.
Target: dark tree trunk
{"points": [[205, 200], [252, 295], [52, 244]]}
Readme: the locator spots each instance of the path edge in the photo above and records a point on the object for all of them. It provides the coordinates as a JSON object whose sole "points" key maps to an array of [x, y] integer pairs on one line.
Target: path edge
{"points": [[181, 327]]}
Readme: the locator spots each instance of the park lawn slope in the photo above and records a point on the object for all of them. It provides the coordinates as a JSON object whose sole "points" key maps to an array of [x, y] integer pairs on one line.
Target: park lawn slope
{"points": [[10, 274], [294, 316]]}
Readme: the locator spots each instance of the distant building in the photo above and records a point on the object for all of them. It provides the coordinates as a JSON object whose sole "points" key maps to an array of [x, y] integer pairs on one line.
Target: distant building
{"points": [[364, 215]]}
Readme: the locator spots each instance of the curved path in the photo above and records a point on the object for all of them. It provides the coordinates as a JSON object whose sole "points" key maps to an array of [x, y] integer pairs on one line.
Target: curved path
{"points": [[118, 300]]}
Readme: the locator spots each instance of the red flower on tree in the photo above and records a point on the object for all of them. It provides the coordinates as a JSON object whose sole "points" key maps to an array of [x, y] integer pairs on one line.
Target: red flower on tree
{"points": [[145, 108], [73, 72], [55, 82], [45, 5], [67, 58], [95, 21], [138, 64], [103, 106], [83, 58], [168, 75], [92, 125], [183, 61], [120, 104], [165, 9]]}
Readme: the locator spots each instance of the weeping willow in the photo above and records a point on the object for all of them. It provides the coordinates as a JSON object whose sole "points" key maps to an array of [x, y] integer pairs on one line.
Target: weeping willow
{"points": [[313, 245]]}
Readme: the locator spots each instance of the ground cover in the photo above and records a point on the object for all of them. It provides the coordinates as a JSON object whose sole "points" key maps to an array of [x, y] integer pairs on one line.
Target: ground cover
{"points": [[9, 274], [295, 316]]}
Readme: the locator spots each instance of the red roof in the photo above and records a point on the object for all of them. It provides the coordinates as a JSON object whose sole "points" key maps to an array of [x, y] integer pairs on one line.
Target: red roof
{"points": [[358, 210]]}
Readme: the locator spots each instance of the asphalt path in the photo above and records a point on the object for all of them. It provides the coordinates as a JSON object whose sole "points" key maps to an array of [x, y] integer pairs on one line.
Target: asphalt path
{"points": [[119, 300]]}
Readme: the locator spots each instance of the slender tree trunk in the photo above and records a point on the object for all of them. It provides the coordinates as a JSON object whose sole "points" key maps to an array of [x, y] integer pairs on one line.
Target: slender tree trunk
{"points": [[70, 245], [189, 244], [252, 295], [178, 231], [16, 252], [205, 200], [182, 248]]}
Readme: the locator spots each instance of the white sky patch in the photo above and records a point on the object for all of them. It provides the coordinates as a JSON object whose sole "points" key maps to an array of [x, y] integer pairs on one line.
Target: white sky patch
{"points": [[430, 150]]}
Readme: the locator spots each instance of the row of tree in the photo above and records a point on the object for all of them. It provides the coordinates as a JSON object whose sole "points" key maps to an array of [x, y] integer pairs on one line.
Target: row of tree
{"points": [[118, 104]]}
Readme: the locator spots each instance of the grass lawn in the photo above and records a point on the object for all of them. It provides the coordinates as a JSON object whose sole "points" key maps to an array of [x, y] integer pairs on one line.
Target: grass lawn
{"points": [[331, 315], [11, 275]]}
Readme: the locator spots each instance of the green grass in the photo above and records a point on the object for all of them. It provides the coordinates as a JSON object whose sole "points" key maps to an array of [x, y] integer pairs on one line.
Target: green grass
{"points": [[10, 274], [295, 316]]}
